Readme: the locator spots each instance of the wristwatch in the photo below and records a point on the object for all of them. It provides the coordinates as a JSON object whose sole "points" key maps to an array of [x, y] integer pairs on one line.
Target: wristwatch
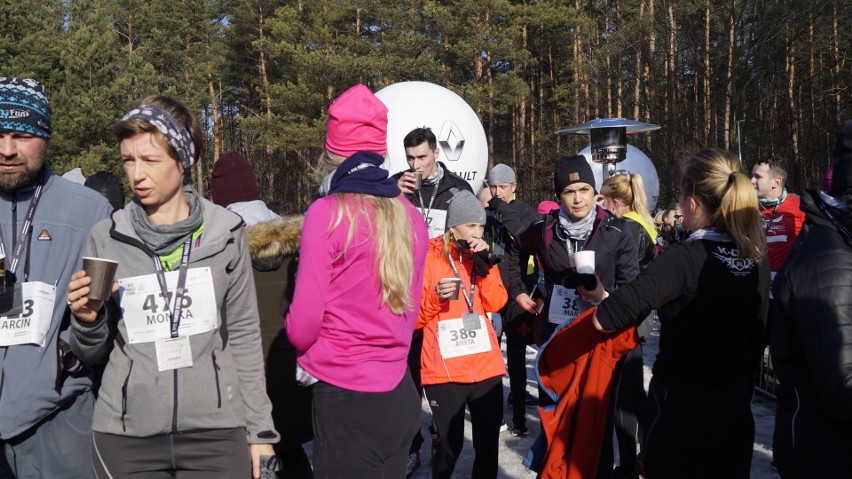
{"points": [[69, 360]]}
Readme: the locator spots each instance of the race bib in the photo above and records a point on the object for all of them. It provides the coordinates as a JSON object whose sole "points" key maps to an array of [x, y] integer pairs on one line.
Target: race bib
{"points": [[436, 222], [32, 324], [147, 314], [455, 340], [173, 353], [564, 305]]}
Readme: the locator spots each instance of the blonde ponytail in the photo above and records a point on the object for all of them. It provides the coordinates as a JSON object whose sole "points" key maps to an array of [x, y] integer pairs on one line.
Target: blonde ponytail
{"points": [[713, 177], [630, 189]]}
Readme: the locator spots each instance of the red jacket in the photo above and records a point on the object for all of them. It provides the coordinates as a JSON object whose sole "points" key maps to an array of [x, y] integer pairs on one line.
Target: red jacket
{"points": [[575, 367], [782, 224], [489, 296]]}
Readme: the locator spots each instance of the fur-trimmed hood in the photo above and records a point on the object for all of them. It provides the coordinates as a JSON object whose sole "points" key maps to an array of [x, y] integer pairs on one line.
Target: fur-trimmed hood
{"points": [[272, 241]]}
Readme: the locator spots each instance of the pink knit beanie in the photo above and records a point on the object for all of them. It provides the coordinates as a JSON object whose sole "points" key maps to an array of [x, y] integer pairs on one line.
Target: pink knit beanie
{"points": [[357, 121]]}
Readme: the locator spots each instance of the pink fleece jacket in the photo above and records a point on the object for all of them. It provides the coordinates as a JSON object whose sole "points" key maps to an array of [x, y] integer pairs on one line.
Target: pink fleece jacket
{"points": [[342, 335]]}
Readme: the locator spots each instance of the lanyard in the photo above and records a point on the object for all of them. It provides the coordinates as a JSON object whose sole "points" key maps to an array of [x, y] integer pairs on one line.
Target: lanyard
{"points": [[174, 321], [467, 299], [26, 230], [428, 210]]}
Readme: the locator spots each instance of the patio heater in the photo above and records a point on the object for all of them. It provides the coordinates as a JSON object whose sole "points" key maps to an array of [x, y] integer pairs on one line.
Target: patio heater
{"points": [[609, 139]]}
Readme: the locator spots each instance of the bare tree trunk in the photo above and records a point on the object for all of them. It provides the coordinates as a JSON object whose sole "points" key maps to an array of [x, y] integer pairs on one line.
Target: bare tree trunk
{"points": [[672, 72], [729, 79], [835, 86], [637, 87], [707, 75], [791, 97], [577, 51], [619, 80], [490, 111], [554, 84], [650, 80], [217, 124], [811, 64]]}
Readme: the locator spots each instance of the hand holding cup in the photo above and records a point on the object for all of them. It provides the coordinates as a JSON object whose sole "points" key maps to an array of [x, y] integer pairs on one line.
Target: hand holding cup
{"points": [[89, 288], [408, 182], [448, 288]]}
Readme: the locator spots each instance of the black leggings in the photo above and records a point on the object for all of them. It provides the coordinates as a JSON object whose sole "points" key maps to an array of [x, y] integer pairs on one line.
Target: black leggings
{"points": [[361, 434], [214, 453], [518, 336], [485, 402], [698, 431]]}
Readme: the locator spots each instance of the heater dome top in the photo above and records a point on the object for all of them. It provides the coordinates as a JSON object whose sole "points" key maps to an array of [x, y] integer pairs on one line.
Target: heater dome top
{"points": [[631, 126]]}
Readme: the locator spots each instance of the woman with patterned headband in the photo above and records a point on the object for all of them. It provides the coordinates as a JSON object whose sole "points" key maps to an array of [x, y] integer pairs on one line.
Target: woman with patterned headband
{"points": [[183, 388]]}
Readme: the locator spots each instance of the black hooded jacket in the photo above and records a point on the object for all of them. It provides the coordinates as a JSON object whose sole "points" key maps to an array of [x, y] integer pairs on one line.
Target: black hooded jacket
{"points": [[811, 344]]}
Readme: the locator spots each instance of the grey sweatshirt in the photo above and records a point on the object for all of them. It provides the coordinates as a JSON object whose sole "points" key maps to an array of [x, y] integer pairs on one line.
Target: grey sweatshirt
{"points": [[225, 386]]}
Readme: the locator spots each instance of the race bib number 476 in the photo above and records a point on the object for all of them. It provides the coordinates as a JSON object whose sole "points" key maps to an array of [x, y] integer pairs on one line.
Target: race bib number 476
{"points": [[147, 314]]}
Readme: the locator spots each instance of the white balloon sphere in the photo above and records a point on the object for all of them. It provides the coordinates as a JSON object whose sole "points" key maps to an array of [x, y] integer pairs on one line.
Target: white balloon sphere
{"points": [[461, 138], [636, 162]]}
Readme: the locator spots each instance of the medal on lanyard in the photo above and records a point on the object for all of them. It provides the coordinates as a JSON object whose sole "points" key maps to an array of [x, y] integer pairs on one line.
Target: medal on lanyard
{"points": [[470, 319]]}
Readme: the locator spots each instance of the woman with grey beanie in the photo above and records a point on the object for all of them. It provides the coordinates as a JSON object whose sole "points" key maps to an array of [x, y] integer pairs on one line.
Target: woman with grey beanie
{"points": [[461, 361]]}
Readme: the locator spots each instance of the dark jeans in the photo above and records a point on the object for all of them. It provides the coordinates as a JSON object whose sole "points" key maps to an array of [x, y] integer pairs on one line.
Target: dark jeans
{"points": [[485, 402], [361, 434], [629, 401], [190, 455], [698, 431], [519, 334]]}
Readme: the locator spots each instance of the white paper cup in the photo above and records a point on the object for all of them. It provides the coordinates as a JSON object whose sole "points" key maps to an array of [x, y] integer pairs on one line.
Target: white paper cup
{"points": [[455, 281], [584, 262], [102, 272]]}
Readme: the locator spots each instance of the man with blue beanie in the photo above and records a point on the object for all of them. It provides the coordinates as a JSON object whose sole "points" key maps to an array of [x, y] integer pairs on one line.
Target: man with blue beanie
{"points": [[46, 395]]}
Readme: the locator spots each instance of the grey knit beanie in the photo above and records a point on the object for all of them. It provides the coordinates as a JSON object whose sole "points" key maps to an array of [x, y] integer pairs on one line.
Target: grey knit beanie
{"points": [[464, 208], [501, 175]]}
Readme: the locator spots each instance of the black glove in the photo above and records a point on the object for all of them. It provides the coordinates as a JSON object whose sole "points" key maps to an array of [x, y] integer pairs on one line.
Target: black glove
{"points": [[495, 203], [574, 280], [482, 260]]}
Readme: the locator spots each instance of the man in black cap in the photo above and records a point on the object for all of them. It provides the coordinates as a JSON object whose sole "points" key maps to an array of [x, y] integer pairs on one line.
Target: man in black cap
{"points": [[45, 395], [811, 333], [578, 225]]}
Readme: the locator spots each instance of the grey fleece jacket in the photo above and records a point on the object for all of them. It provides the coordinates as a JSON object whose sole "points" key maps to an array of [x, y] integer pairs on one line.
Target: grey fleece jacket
{"points": [[31, 387], [225, 386]]}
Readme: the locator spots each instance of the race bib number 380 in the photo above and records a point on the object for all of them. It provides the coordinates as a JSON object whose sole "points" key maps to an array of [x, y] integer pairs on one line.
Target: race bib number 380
{"points": [[31, 326], [147, 313]]}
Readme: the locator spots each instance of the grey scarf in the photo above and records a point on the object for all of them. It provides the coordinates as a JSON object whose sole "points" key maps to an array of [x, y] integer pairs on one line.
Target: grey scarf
{"points": [[577, 230], [163, 239], [435, 177]]}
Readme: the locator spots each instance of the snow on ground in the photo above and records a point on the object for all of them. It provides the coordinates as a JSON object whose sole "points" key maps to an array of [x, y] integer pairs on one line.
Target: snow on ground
{"points": [[513, 449]]}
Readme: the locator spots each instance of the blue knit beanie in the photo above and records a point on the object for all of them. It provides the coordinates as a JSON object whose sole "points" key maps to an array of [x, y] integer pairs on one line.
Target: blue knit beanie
{"points": [[24, 107]]}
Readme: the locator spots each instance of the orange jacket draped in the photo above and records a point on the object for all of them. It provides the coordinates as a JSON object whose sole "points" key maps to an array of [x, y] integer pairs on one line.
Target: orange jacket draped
{"points": [[575, 367], [489, 296]]}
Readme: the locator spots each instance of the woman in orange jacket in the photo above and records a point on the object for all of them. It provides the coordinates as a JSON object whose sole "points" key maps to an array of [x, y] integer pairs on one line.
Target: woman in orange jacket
{"points": [[461, 360]]}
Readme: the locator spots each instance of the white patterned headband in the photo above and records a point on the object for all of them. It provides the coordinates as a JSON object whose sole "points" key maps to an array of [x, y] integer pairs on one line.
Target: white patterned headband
{"points": [[175, 133]]}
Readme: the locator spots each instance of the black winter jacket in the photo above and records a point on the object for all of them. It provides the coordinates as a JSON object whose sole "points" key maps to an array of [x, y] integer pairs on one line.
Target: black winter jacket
{"points": [[505, 221], [616, 261], [811, 343]]}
